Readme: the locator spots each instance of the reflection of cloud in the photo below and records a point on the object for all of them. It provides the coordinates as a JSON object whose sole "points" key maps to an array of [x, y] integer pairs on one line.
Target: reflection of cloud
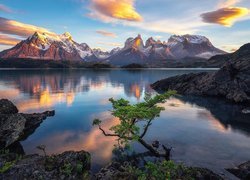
{"points": [[107, 10], [93, 141], [215, 124], [106, 33], [225, 16]]}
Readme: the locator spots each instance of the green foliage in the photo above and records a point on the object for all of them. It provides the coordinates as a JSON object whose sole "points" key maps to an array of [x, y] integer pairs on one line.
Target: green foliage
{"points": [[96, 122], [130, 114], [66, 169], [79, 168], [7, 166], [160, 171]]}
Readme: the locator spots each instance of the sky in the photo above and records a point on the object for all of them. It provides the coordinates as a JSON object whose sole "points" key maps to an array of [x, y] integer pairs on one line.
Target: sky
{"points": [[106, 24]]}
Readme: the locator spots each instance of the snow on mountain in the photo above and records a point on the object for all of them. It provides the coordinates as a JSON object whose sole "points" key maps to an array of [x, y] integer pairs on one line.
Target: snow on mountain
{"points": [[44, 46], [63, 47]]}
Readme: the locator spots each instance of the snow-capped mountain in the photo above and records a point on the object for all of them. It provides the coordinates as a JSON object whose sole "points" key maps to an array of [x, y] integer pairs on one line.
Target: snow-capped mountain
{"points": [[56, 47], [63, 47], [177, 47]]}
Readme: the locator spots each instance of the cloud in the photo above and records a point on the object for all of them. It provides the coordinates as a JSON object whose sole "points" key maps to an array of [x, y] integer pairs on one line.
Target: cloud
{"points": [[8, 40], [110, 44], [228, 3], [106, 33], [12, 27], [108, 10], [5, 9], [225, 16]]}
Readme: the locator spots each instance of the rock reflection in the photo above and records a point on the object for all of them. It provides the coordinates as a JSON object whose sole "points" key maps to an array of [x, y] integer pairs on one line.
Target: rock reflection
{"points": [[224, 116]]}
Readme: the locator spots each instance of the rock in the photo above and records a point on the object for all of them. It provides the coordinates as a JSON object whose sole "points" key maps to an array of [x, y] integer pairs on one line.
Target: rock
{"points": [[232, 81], [11, 128], [15, 126], [7, 107], [246, 111], [124, 171], [68, 165], [242, 171]]}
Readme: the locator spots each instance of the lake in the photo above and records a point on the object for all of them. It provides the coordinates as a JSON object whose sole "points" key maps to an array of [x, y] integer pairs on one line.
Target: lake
{"points": [[203, 132]]}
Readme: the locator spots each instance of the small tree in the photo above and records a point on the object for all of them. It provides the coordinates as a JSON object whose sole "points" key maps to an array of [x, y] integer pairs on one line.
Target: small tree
{"points": [[130, 115]]}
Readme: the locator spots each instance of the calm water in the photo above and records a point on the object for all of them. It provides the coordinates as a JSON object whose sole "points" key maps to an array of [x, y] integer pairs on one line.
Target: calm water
{"points": [[203, 132]]}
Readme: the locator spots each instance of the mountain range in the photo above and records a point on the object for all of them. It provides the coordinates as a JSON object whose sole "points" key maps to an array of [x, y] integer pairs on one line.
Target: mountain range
{"points": [[63, 47]]}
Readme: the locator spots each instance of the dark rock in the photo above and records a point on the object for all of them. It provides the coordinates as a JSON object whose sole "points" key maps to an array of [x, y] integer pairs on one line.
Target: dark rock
{"points": [[124, 171], [242, 171], [16, 126], [7, 107], [232, 81], [68, 165]]}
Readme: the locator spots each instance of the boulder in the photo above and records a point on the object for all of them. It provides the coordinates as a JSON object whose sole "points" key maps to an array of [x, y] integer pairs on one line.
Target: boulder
{"points": [[15, 126], [242, 171], [7, 107], [68, 165]]}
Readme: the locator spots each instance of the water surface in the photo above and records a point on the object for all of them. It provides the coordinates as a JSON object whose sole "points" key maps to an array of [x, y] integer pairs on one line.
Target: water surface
{"points": [[202, 131]]}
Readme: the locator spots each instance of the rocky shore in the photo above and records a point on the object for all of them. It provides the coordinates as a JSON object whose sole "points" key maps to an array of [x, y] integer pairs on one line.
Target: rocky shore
{"points": [[16, 126], [232, 81]]}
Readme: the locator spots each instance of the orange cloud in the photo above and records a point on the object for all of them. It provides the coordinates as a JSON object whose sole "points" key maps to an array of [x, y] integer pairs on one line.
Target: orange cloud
{"points": [[225, 16], [106, 33], [116, 9], [8, 26], [8, 40]]}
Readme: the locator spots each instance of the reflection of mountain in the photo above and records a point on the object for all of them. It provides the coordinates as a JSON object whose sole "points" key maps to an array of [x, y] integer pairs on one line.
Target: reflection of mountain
{"points": [[229, 115], [51, 87]]}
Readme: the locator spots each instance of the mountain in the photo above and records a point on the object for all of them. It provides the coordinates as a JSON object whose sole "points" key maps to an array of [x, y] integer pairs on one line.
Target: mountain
{"points": [[56, 47], [63, 47], [177, 47]]}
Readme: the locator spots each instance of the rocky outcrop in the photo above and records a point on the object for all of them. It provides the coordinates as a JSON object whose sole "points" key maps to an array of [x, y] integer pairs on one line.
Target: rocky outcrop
{"points": [[125, 171], [242, 171], [15, 126], [68, 165], [232, 81]]}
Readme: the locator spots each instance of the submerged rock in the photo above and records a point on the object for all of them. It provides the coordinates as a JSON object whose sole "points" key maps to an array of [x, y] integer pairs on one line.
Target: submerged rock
{"points": [[68, 165], [242, 171], [15, 126], [232, 81]]}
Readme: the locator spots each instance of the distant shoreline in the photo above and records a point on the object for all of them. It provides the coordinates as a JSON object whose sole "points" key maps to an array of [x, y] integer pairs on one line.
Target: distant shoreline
{"points": [[118, 68]]}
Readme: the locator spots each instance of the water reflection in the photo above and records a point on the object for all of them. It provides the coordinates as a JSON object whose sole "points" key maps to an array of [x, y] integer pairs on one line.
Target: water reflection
{"points": [[203, 132]]}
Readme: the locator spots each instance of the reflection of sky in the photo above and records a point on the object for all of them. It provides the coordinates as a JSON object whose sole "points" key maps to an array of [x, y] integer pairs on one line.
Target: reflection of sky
{"points": [[78, 97]]}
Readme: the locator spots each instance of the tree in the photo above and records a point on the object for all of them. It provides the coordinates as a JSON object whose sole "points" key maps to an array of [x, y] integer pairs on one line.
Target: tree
{"points": [[130, 115]]}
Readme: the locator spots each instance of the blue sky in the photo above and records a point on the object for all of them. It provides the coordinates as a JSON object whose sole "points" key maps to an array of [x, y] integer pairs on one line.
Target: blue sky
{"points": [[108, 23]]}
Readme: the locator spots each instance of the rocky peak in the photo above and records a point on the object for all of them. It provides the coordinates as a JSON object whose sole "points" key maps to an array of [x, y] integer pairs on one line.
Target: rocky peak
{"points": [[67, 36]]}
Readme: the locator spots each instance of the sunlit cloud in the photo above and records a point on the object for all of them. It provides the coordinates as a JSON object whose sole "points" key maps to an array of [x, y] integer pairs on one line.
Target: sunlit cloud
{"points": [[106, 33], [225, 16], [228, 3], [5, 9], [8, 40], [12, 27], [107, 10]]}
